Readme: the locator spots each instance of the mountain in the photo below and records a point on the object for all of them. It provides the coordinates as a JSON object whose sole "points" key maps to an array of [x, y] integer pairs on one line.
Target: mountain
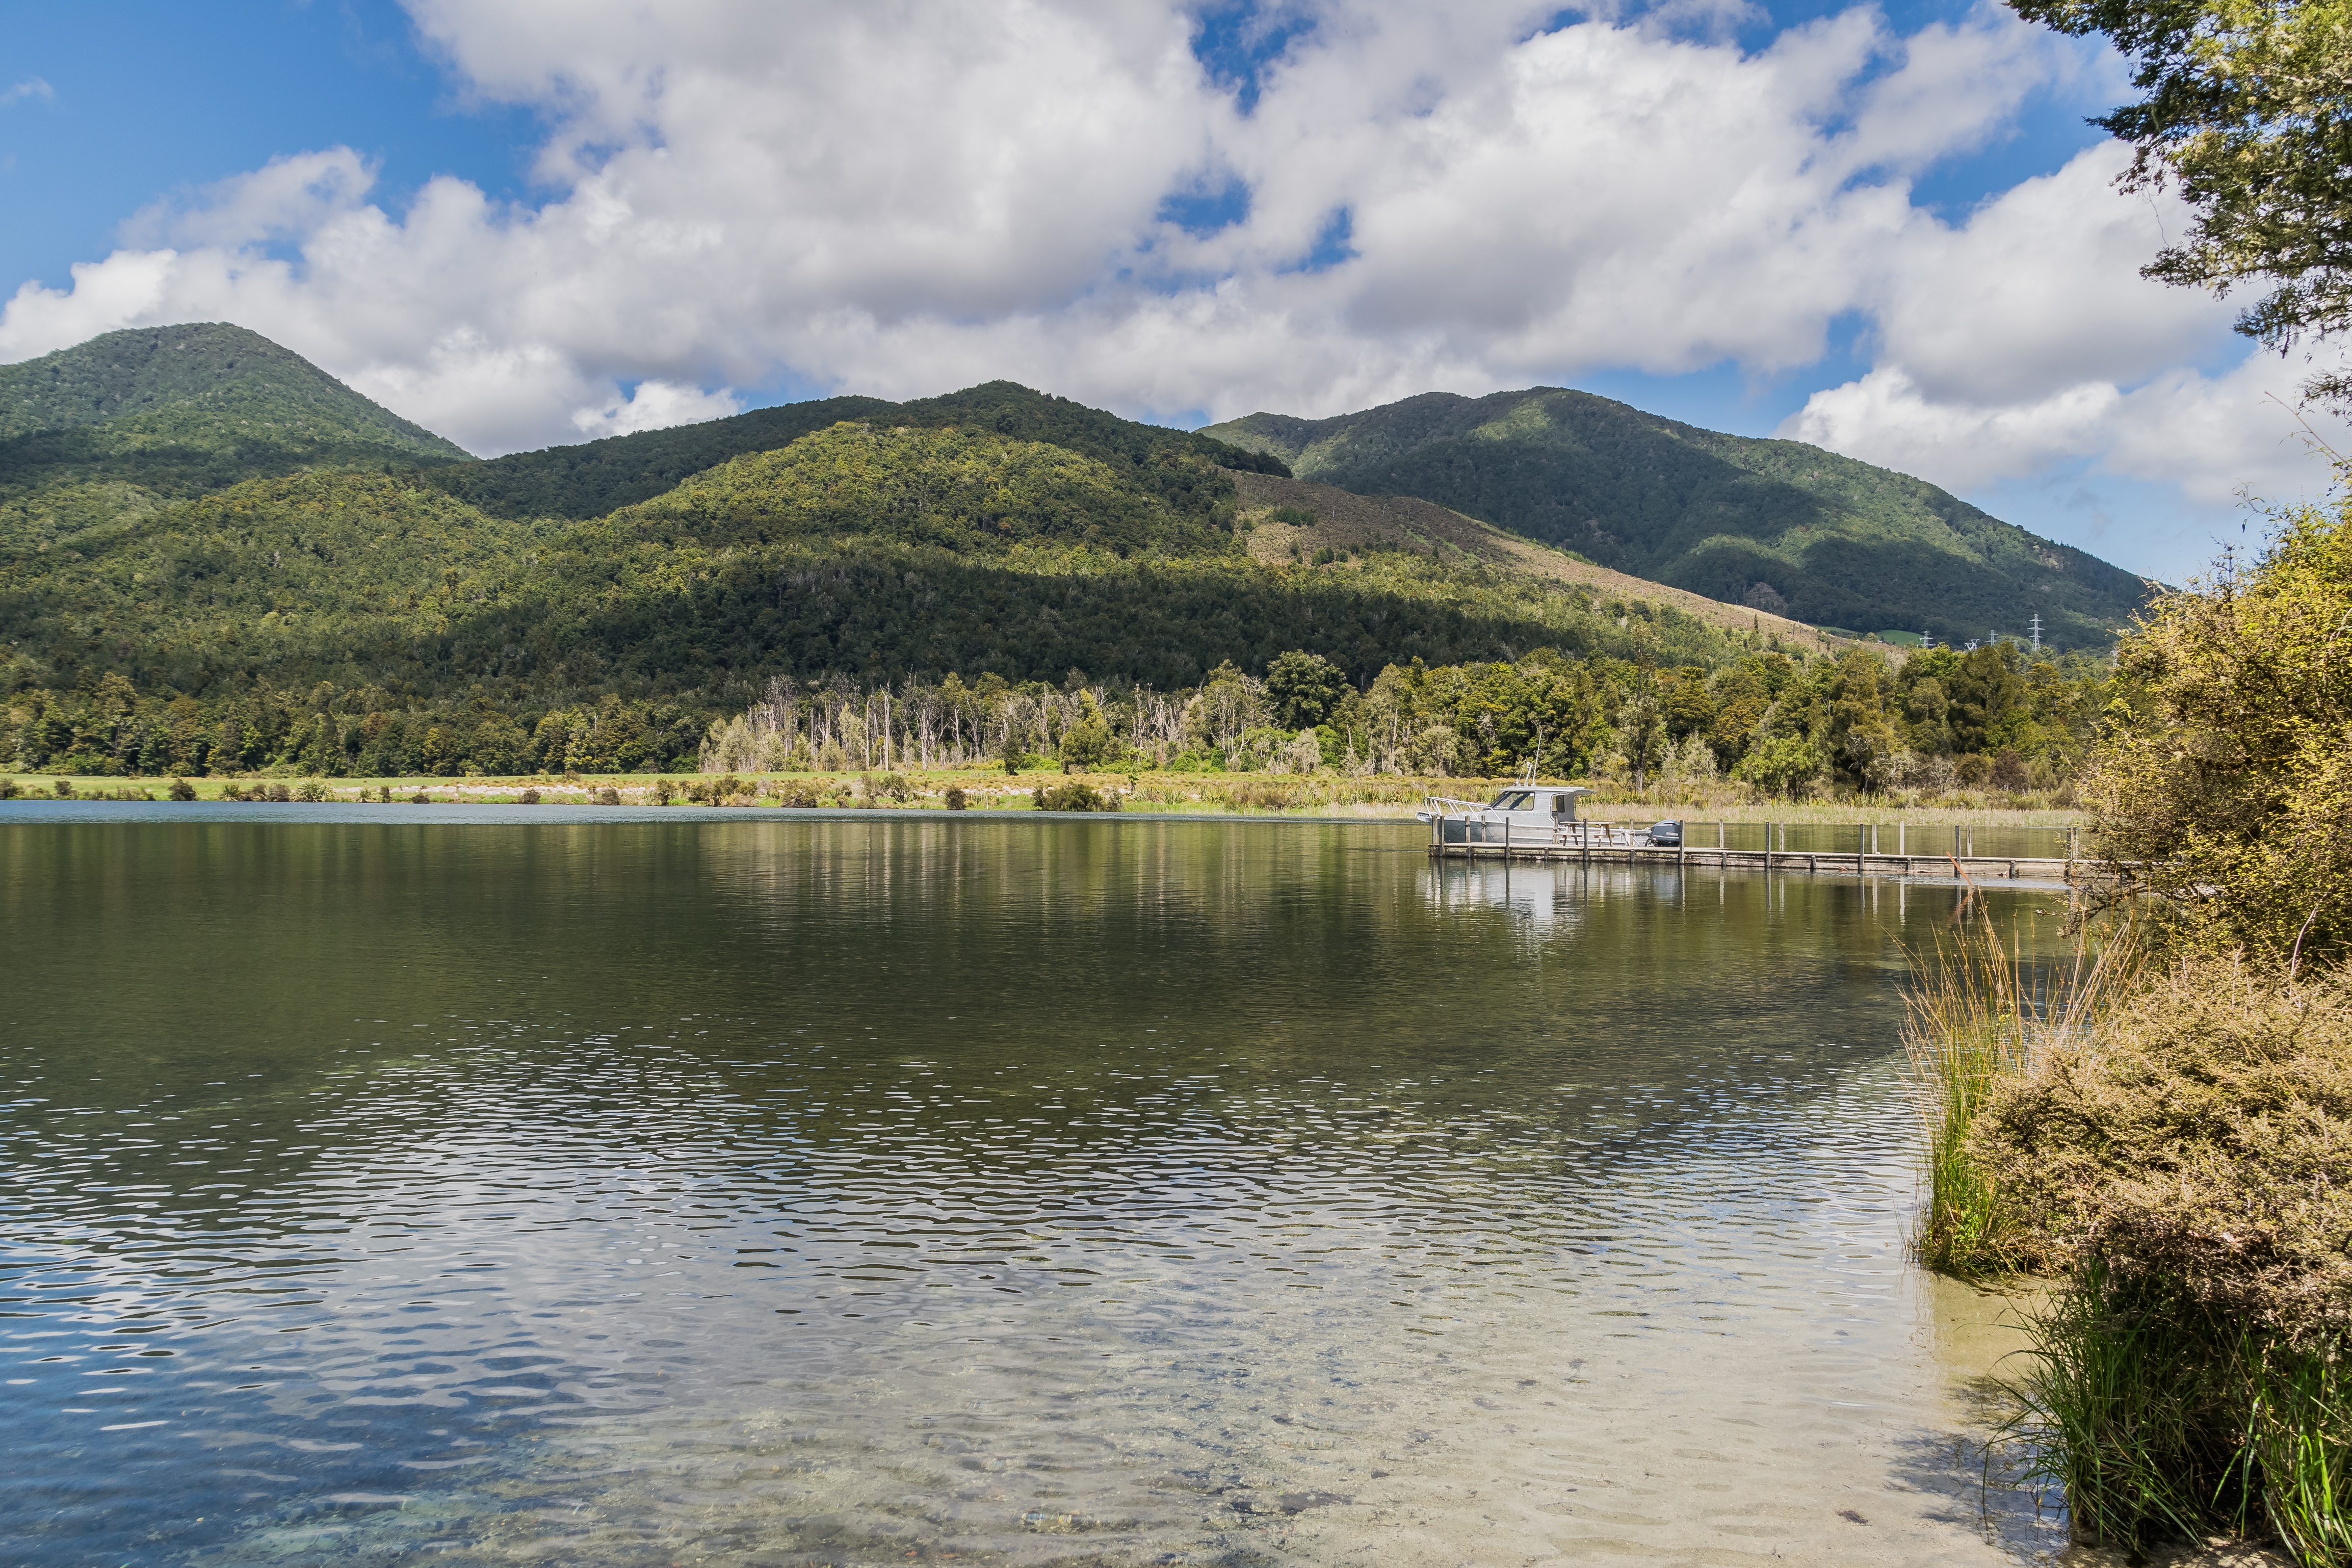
{"points": [[180, 410], [993, 531], [592, 478], [1778, 525]]}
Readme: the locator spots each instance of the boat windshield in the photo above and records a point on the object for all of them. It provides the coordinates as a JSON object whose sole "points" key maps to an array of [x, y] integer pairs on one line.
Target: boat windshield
{"points": [[1514, 800]]}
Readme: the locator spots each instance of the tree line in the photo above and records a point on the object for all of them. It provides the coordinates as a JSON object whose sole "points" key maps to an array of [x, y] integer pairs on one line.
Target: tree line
{"points": [[1786, 721]]}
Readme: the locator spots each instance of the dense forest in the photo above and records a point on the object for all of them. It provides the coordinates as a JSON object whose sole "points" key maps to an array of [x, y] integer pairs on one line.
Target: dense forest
{"points": [[1992, 717]]}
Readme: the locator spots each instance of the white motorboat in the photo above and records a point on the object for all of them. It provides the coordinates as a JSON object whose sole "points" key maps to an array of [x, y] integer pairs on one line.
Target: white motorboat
{"points": [[1531, 816]]}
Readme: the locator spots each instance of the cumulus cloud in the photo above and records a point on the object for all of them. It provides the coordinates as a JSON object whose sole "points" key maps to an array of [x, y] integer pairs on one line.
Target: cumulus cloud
{"points": [[31, 88], [2023, 341], [908, 196], [656, 405]]}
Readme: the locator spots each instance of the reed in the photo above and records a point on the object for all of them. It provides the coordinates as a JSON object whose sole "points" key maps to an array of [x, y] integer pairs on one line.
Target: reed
{"points": [[1976, 1015], [2160, 1417]]}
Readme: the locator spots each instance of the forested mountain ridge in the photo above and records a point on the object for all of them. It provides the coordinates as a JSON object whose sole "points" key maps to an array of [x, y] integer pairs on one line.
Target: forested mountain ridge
{"points": [[1776, 524], [592, 478], [882, 553], [180, 410], [446, 615]]}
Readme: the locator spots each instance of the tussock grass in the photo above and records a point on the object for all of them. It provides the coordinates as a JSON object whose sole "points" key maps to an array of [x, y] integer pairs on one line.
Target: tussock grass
{"points": [[1978, 1017], [2187, 1153]]}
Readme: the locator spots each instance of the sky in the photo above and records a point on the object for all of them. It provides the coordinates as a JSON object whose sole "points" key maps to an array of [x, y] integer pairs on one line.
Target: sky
{"points": [[1888, 231]]}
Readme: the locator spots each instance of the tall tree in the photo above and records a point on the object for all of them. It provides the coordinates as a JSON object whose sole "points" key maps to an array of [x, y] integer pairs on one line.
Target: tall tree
{"points": [[2247, 108]]}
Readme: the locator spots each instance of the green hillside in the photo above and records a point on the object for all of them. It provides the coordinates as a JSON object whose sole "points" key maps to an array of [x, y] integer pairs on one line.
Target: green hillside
{"points": [[592, 478], [1776, 524], [356, 592], [881, 553], [180, 410]]}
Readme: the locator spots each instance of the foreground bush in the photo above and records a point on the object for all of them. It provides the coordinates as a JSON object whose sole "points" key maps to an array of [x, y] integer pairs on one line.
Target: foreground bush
{"points": [[2222, 783], [2190, 1159], [1979, 1018]]}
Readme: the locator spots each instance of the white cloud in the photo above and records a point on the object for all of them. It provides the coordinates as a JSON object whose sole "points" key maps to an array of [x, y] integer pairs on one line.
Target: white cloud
{"points": [[2022, 344], [908, 196], [656, 405], [32, 89]]}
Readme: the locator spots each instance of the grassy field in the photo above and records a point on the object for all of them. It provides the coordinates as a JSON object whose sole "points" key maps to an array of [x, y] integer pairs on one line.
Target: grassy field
{"points": [[990, 789]]}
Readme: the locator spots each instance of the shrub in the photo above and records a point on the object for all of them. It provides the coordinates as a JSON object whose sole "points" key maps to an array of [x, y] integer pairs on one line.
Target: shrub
{"points": [[663, 792], [2222, 784], [63, 789], [955, 797], [313, 791], [2190, 1155], [2204, 1136], [1073, 797], [799, 794], [280, 794], [608, 796], [1264, 796], [891, 787], [181, 789], [527, 797], [420, 798]]}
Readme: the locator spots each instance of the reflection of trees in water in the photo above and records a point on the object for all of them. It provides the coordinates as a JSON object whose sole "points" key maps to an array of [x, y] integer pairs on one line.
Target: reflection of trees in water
{"points": [[1152, 1082]]}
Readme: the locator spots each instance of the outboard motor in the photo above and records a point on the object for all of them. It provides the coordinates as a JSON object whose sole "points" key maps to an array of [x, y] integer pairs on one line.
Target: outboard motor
{"points": [[1667, 835]]}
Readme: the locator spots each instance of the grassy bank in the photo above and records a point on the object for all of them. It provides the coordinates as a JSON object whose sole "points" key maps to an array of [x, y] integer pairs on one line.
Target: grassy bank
{"points": [[1389, 797]]}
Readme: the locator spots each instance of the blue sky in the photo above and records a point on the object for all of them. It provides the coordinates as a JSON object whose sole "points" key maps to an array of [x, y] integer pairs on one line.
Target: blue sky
{"points": [[523, 225]]}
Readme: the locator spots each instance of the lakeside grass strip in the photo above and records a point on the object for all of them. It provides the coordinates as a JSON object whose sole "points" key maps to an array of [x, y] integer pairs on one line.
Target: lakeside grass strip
{"points": [[1378, 797]]}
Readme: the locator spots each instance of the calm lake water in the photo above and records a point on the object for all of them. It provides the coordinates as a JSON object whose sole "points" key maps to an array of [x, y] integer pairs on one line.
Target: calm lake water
{"points": [[720, 1190]]}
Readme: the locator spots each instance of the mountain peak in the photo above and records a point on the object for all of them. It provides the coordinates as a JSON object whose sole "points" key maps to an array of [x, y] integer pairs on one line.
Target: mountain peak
{"points": [[189, 407], [1776, 525]]}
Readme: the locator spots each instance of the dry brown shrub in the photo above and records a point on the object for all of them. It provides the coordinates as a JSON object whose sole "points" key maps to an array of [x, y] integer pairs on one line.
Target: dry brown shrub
{"points": [[2203, 1135]]}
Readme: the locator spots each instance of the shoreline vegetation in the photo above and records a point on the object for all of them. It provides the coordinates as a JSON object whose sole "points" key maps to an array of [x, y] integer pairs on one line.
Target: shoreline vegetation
{"points": [[1381, 799], [2150, 1136]]}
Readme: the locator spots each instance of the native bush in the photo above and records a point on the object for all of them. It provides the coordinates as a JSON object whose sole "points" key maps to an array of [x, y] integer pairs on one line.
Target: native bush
{"points": [[2203, 1135], [1074, 797], [2222, 783], [2191, 1155]]}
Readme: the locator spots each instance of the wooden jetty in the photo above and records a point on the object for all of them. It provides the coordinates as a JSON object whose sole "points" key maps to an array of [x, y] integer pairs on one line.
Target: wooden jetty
{"points": [[1593, 843]]}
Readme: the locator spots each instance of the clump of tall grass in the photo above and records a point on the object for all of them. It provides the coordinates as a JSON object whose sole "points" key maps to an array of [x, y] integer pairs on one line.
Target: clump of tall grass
{"points": [[1977, 1016], [2191, 1157]]}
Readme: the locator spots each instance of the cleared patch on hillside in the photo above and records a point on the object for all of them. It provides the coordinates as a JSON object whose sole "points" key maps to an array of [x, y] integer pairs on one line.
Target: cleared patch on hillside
{"points": [[1344, 521]]}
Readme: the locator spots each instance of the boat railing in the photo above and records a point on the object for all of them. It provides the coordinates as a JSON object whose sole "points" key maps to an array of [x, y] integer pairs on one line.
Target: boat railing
{"points": [[1574, 833]]}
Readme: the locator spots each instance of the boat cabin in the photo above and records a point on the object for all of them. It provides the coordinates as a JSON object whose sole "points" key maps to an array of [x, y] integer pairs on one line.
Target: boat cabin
{"points": [[1522, 813], [1549, 805]]}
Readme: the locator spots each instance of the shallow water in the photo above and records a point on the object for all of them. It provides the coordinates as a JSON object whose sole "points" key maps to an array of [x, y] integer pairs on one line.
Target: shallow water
{"points": [[757, 1190]]}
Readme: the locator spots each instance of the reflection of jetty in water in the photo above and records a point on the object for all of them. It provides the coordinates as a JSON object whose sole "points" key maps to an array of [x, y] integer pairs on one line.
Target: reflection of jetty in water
{"points": [[1537, 824]]}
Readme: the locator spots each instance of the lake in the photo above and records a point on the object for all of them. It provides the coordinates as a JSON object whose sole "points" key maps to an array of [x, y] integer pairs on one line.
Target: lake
{"points": [[531, 1187]]}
